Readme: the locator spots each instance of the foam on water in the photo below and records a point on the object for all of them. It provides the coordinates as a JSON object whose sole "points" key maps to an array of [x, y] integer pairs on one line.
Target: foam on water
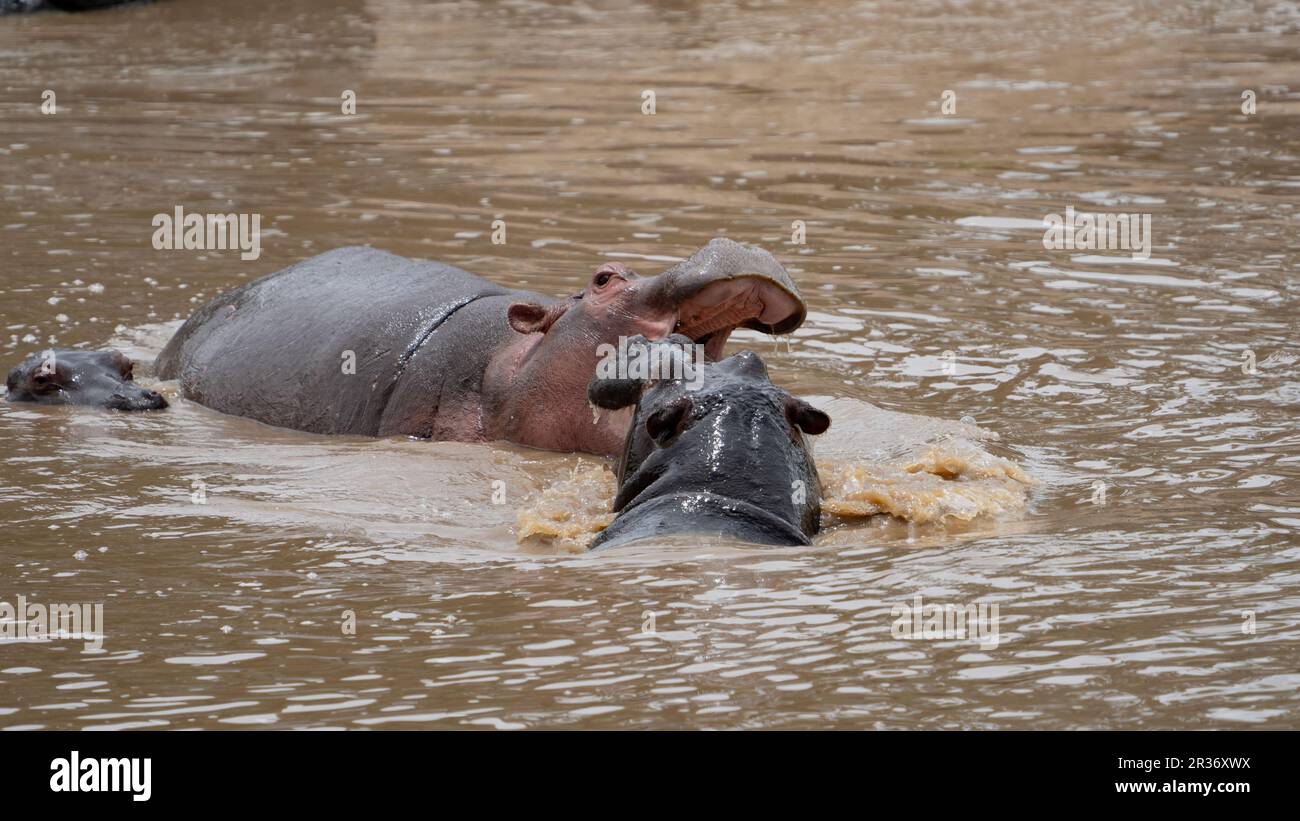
{"points": [[944, 482]]}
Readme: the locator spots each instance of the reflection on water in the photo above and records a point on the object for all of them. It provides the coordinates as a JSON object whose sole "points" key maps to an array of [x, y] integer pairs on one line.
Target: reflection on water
{"points": [[1152, 400]]}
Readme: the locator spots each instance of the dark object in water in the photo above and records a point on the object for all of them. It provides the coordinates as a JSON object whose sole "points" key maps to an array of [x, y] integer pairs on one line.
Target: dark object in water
{"points": [[19, 6], [722, 455], [63, 377], [357, 341]]}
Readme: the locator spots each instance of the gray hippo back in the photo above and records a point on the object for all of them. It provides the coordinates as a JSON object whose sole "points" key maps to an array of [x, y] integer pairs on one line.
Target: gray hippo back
{"points": [[722, 455], [322, 345]]}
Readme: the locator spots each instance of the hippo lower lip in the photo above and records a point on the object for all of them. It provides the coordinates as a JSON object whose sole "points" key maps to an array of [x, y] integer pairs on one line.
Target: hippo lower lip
{"points": [[710, 316]]}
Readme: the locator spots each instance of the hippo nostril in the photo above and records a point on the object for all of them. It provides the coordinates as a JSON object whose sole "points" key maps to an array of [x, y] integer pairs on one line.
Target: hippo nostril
{"points": [[139, 399]]}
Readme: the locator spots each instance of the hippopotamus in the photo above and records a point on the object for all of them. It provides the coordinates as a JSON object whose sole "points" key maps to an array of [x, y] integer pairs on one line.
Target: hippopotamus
{"points": [[10, 6], [359, 341], [722, 455], [66, 377]]}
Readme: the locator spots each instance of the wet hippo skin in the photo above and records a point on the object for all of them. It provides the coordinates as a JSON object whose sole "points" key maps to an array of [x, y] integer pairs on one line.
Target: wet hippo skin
{"points": [[728, 458], [443, 354]]}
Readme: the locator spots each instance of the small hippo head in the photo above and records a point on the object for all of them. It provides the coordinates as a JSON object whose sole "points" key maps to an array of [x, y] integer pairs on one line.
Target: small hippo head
{"points": [[66, 377], [723, 286], [724, 454]]}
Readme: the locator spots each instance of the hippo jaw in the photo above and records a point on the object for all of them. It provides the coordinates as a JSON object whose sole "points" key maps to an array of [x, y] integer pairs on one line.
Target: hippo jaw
{"points": [[723, 286], [716, 310]]}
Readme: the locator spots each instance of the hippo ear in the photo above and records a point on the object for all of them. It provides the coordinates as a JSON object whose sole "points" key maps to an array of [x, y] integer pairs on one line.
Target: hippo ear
{"points": [[805, 417], [531, 318], [670, 420], [122, 362]]}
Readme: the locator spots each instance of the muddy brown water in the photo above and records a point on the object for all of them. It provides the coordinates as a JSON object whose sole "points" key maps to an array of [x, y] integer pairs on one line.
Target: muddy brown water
{"points": [[1167, 599]]}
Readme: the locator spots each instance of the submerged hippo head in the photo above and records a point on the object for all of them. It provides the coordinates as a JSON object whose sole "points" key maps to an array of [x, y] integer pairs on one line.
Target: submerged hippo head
{"points": [[723, 286], [724, 454], [64, 377]]}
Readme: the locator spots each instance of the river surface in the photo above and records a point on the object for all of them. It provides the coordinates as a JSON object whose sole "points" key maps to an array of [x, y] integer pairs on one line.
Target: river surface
{"points": [[251, 576]]}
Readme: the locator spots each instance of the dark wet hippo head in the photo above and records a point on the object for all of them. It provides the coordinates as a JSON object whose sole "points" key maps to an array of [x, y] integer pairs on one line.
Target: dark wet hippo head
{"points": [[62, 377], [723, 286], [720, 453]]}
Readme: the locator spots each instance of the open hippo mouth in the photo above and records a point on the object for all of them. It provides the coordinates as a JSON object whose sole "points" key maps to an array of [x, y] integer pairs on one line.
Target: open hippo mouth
{"points": [[710, 316], [726, 285]]}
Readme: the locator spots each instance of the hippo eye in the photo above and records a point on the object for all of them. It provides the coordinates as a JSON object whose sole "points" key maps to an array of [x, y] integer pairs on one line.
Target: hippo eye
{"points": [[602, 279]]}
